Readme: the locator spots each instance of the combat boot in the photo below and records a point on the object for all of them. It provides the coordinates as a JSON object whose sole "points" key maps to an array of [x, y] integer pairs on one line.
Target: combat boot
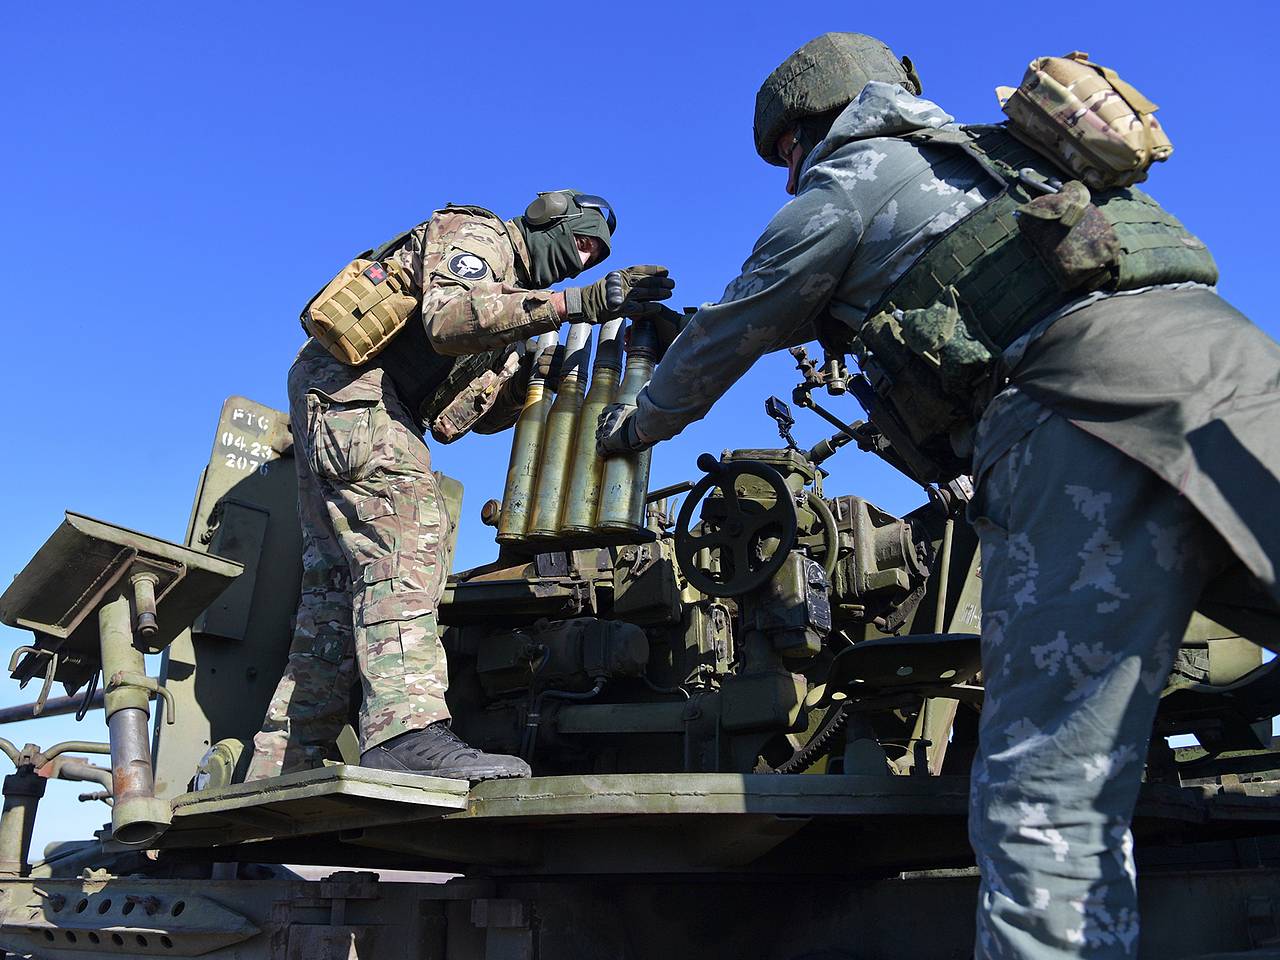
{"points": [[437, 751]]}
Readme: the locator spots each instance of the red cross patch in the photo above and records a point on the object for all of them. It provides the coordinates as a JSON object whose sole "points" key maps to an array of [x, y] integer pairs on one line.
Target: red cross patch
{"points": [[375, 273]]}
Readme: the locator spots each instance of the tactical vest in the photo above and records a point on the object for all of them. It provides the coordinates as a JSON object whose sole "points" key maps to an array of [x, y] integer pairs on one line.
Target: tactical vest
{"points": [[425, 381], [929, 346]]}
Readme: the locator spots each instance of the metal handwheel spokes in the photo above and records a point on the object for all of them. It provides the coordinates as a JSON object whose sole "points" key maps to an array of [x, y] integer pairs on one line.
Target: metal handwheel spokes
{"points": [[736, 538]]}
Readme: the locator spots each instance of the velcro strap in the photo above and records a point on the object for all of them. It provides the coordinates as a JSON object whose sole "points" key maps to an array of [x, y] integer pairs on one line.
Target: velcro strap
{"points": [[1128, 92]]}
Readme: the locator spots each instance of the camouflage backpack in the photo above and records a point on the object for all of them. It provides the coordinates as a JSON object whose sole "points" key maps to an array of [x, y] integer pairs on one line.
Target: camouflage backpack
{"points": [[1083, 116]]}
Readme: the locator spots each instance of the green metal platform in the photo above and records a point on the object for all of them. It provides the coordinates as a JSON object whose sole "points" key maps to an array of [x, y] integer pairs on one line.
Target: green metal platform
{"points": [[631, 823]]}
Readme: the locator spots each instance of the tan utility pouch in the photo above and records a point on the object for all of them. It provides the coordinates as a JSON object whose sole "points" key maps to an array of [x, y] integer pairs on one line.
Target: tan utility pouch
{"points": [[1084, 117], [360, 309]]}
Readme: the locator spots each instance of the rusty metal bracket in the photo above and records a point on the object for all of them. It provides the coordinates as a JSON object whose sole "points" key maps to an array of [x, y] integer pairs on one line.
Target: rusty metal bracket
{"points": [[582, 598]]}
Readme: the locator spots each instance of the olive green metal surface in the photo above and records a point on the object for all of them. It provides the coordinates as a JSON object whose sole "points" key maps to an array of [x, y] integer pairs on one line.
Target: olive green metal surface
{"points": [[315, 802], [74, 573]]}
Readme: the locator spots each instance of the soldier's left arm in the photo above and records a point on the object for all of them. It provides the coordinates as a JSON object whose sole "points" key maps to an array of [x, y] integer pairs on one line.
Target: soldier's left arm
{"points": [[784, 285]]}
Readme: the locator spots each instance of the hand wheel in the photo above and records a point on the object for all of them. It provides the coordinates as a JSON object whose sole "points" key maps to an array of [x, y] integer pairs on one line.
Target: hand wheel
{"points": [[734, 538]]}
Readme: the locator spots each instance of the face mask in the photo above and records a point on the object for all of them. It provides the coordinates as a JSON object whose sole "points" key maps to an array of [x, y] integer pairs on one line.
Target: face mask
{"points": [[553, 249]]}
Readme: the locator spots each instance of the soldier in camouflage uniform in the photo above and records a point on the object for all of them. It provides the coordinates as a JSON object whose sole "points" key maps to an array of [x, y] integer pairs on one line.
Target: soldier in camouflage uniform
{"points": [[1129, 459], [375, 528]]}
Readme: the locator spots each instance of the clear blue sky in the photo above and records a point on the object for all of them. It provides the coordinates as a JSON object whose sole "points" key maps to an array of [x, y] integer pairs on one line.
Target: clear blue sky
{"points": [[179, 178]]}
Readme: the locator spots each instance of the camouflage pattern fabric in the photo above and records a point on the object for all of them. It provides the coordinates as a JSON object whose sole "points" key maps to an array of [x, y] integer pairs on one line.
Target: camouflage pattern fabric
{"points": [[374, 566], [1195, 399], [1097, 125], [867, 206], [374, 531], [1091, 566], [1091, 559], [471, 270]]}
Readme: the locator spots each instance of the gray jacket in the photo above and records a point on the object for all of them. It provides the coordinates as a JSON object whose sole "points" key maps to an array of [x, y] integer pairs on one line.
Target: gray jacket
{"points": [[1175, 378], [866, 207]]}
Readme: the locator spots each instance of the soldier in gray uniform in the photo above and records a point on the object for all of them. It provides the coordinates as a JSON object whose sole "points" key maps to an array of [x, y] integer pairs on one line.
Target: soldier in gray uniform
{"points": [[1121, 434], [375, 528]]}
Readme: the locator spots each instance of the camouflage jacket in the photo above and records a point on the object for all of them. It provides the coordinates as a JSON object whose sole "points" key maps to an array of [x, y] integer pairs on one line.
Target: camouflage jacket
{"points": [[469, 268], [867, 206]]}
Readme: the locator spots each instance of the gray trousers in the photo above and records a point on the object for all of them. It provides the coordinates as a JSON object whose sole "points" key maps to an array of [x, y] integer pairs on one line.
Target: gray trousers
{"points": [[1091, 567]]}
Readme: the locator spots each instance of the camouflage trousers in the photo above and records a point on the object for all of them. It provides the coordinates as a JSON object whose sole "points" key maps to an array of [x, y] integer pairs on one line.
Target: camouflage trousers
{"points": [[1091, 568], [374, 564]]}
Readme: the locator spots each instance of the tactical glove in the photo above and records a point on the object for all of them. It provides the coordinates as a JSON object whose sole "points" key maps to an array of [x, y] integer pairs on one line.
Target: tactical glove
{"points": [[549, 364], [667, 324], [620, 293], [616, 431]]}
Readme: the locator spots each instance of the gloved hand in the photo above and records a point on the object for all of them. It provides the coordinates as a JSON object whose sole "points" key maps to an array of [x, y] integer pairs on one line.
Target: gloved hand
{"points": [[634, 292], [619, 293], [548, 365], [616, 431], [667, 324]]}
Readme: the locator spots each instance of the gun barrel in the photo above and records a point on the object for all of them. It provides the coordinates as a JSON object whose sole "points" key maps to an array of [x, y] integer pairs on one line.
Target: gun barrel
{"points": [[526, 446]]}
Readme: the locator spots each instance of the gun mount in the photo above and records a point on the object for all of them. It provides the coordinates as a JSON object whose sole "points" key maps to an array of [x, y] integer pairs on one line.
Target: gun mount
{"points": [[668, 676]]}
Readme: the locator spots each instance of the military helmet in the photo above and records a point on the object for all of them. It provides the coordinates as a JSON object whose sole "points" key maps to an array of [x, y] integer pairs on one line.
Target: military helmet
{"points": [[825, 74], [552, 205]]}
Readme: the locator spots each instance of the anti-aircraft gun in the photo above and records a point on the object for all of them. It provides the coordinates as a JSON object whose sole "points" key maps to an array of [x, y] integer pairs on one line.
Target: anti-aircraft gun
{"points": [[750, 719]]}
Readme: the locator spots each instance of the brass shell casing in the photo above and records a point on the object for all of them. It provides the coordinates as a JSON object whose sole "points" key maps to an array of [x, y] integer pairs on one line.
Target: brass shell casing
{"points": [[586, 476], [559, 434], [557, 449], [526, 449], [582, 495], [626, 478], [623, 490]]}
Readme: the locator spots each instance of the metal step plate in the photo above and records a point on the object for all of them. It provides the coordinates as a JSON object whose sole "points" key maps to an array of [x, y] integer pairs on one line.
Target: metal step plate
{"points": [[313, 802]]}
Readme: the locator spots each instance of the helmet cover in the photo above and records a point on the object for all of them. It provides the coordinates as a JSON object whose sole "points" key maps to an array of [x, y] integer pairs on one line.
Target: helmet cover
{"points": [[826, 74]]}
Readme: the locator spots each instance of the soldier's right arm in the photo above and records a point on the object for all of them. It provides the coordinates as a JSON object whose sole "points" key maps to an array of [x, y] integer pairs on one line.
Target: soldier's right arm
{"points": [[470, 302], [784, 284]]}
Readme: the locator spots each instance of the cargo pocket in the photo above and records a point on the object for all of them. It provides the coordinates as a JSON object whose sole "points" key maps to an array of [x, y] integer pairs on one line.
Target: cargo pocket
{"points": [[429, 502], [1072, 238], [403, 527], [939, 335], [383, 652], [344, 437], [330, 649], [388, 599]]}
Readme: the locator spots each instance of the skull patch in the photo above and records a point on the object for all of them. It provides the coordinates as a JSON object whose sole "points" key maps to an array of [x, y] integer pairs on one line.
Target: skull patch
{"points": [[467, 266]]}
